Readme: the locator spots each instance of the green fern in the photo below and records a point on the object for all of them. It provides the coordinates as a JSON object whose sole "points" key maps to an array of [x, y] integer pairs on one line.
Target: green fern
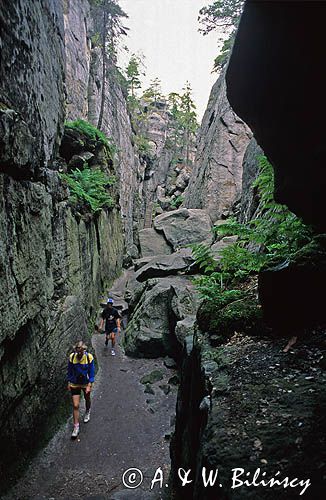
{"points": [[88, 187], [277, 232], [203, 257], [93, 133]]}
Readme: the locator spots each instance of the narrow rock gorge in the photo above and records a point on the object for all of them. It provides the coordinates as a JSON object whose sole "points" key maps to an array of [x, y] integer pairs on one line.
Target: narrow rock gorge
{"points": [[239, 319]]}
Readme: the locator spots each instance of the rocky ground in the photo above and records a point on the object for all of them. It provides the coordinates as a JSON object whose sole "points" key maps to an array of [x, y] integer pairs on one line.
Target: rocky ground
{"points": [[261, 408]]}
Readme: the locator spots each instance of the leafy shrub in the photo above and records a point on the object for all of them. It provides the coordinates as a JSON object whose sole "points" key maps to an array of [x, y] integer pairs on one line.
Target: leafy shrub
{"points": [[203, 257], [88, 187], [142, 144], [276, 234], [177, 202], [93, 133], [277, 231]]}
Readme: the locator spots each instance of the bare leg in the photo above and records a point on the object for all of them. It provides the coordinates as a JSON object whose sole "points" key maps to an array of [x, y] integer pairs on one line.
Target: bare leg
{"points": [[75, 411], [87, 396], [113, 340], [291, 342]]}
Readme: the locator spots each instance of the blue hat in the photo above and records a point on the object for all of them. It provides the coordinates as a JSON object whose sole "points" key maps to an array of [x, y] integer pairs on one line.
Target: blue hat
{"points": [[110, 301]]}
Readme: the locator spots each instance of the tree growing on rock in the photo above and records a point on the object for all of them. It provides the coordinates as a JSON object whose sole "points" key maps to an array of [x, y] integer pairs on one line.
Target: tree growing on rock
{"points": [[184, 120], [134, 73], [153, 94], [224, 14], [109, 15]]}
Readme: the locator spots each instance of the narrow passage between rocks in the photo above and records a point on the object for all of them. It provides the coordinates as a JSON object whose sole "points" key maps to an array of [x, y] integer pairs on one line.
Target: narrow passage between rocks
{"points": [[127, 430]]}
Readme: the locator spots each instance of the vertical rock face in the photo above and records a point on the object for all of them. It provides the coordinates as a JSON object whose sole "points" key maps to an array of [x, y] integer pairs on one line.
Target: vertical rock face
{"points": [[215, 183], [53, 264], [266, 91], [30, 120], [77, 22], [84, 77], [249, 195]]}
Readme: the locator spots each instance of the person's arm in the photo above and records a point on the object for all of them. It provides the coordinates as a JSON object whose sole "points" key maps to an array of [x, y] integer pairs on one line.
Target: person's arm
{"points": [[117, 321], [91, 373], [69, 374], [102, 320]]}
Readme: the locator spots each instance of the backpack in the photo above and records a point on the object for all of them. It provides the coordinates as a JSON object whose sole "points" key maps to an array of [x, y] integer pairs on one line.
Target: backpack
{"points": [[87, 355]]}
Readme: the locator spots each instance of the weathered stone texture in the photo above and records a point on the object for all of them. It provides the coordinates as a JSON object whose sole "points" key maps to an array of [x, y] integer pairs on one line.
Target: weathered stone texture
{"points": [[53, 269], [291, 130], [215, 182], [163, 304], [165, 265], [31, 84], [182, 227], [84, 75], [54, 263], [77, 21], [152, 243]]}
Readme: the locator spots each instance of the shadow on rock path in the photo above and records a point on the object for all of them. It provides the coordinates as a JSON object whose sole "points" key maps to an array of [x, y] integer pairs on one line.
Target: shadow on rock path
{"points": [[126, 430]]}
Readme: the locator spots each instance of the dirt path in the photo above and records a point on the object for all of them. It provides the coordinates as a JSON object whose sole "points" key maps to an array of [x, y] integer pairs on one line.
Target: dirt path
{"points": [[127, 429]]}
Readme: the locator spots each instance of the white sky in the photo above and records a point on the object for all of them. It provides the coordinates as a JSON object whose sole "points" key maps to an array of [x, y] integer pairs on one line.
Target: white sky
{"points": [[166, 32]]}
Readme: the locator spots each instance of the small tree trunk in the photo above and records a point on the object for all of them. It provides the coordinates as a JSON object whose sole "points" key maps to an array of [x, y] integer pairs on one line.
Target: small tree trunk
{"points": [[104, 33]]}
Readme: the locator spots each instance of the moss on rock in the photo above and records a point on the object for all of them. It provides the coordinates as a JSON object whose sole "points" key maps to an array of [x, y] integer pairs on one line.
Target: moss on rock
{"points": [[242, 315]]}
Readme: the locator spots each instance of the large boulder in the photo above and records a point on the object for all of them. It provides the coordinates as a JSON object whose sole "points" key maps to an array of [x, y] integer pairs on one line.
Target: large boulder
{"points": [[153, 243], [165, 265], [151, 329], [184, 226]]}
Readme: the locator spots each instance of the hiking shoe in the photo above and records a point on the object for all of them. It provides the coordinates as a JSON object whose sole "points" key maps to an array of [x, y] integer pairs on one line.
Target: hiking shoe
{"points": [[75, 432], [106, 341], [87, 417], [113, 352]]}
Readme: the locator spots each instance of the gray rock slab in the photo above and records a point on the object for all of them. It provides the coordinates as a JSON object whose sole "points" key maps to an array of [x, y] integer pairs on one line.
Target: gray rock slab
{"points": [[165, 265], [153, 243], [185, 226]]}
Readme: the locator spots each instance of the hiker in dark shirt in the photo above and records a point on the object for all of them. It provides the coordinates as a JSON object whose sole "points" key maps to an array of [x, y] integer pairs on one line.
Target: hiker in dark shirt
{"points": [[111, 318]]}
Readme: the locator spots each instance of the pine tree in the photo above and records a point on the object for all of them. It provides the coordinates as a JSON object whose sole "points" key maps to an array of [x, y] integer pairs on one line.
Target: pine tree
{"points": [[154, 93], [133, 74], [111, 29], [223, 14]]}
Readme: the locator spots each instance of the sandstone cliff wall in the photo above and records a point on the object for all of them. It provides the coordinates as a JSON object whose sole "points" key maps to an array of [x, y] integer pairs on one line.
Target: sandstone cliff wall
{"points": [[84, 77], [31, 85], [53, 264], [215, 182]]}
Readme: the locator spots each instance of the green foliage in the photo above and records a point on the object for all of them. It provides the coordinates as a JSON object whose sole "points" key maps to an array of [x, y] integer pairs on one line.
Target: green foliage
{"points": [[221, 60], [153, 93], [223, 14], [183, 125], [238, 262], [133, 74], [277, 231], [177, 202], [89, 130], [276, 234], [96, 40], [88, 187], [203, 257], [142, 144]]}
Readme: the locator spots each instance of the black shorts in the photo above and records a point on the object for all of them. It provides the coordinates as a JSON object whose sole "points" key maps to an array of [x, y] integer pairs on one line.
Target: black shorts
{"points": [[76, 391], [111, 330]]}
